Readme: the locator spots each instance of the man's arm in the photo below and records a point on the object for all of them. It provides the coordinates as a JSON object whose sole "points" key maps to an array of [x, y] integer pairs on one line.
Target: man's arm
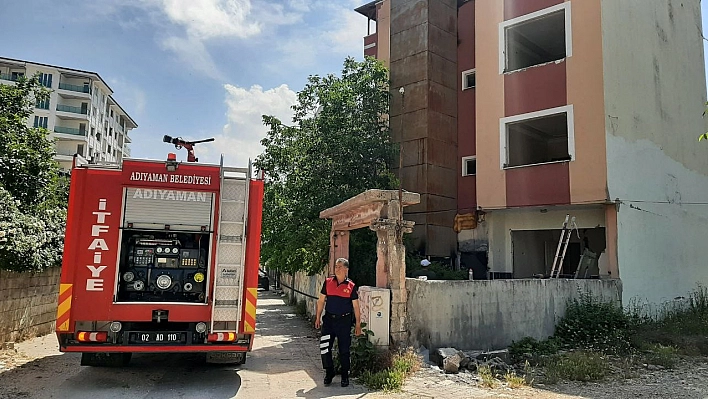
{"points": [[320, 307], [357, 317]]}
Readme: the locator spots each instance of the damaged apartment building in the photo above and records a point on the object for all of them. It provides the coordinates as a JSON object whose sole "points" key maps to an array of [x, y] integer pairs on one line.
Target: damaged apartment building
{"points": [[512, 114]]}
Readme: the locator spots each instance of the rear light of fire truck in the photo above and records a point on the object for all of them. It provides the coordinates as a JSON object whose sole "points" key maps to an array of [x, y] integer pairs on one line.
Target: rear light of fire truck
{"points": [[222, 337], [92, 336]]}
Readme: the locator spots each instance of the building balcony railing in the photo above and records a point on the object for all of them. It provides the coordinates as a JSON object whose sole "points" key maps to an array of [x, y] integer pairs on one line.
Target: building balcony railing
{"points": [[77, 88], [69, 130], [76, 110], [11, 78], [126, 151]]}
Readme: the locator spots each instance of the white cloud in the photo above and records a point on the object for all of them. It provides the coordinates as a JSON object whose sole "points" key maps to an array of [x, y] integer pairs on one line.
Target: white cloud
{"points": [[193, 52], [342, 34], [130, 97], [205, 19], [241, 136], [347, 36]]}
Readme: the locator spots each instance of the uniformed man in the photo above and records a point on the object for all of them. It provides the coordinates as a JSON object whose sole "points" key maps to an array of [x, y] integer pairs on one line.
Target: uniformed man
{"points": [[340, 301]]}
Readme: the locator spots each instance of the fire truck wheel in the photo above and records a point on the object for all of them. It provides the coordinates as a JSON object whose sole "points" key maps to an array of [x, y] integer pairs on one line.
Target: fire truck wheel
{"points": [[233, 358], [105, 359]]}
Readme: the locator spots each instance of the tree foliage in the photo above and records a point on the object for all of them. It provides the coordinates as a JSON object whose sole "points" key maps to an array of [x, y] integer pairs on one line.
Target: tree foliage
{"points": [[337, 147], [33, 191]]}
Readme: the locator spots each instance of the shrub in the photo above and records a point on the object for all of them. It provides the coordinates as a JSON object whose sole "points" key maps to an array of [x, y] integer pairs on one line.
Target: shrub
{"points": [[529, 348], [514, 381], [576, 366], [592, 324], [363, 353], [487, 377], [398, 366], [661, 355], [387, 380]]}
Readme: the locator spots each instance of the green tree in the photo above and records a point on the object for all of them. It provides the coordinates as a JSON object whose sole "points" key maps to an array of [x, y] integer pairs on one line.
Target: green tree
{"points": [[337, 146], [33, 191], [27, 168]]}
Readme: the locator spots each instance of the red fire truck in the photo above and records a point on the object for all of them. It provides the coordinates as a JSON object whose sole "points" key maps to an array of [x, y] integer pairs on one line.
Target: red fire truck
{"points": [[160, 256]]}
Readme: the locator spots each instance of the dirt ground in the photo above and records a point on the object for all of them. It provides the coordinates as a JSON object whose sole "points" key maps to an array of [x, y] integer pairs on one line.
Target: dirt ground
{"points": [[285, 363]]}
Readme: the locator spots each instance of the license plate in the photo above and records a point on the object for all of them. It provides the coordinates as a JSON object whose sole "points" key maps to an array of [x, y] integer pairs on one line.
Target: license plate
{"points": [[158, 337]]}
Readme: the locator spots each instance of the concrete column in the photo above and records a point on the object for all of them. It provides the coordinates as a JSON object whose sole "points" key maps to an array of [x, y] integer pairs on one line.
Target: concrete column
{"points": [[382, 279], [391, 269], [338, 247]]}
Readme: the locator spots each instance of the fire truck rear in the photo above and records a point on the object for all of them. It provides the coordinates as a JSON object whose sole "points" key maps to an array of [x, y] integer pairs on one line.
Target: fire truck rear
{"points": [[160, 256]]}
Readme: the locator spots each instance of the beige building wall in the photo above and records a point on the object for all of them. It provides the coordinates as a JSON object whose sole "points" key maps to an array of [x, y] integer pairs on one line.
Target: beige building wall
{"points": [[491, 183], [588, 172]]}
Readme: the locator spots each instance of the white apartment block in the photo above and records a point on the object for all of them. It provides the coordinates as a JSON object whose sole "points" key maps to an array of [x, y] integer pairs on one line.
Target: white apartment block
{"points": [[81, 114]]}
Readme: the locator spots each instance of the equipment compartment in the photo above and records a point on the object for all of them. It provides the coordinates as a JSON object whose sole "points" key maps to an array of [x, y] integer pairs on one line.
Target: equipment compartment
{"points": [[163, 266]]}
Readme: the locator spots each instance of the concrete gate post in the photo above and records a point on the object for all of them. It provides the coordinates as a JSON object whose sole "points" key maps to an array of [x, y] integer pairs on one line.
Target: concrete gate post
{"points": [[381, 211]]}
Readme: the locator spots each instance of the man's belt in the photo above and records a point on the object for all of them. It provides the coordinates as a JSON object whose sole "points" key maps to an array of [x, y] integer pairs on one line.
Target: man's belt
{"points": [[337, 316]]}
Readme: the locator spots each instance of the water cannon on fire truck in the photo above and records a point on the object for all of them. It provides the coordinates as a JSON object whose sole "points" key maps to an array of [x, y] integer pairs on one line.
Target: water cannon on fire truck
{"points": [[188, 145]]}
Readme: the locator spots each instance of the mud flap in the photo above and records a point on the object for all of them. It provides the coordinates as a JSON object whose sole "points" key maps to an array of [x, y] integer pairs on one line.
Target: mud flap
{"points": [[237, 358], [101, 359]]}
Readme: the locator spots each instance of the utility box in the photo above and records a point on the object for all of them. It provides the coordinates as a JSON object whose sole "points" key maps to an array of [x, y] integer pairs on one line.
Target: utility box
{"points": [[375, 307]]}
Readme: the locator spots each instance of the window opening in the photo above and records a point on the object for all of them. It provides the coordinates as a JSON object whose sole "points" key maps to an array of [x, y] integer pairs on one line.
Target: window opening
{"points": [[536, 41], [538, 140], [469, 166], [468, 79]]}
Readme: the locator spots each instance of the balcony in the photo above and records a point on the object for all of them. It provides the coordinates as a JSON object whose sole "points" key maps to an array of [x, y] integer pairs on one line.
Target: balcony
{"points": [[80, 89], [69, 112], [67, 90], [69, 130], [9, 78]]}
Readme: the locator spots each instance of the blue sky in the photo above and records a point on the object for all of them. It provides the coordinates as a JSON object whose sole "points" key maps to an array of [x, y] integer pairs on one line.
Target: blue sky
{"points": [[193, 68]]}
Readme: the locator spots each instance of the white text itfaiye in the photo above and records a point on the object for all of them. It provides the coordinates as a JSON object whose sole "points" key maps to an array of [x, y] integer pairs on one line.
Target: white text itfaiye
{"points": [[98, 246]]}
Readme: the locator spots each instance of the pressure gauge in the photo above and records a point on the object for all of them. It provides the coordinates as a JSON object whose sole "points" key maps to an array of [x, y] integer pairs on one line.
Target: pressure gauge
{"points": [[159, 250], [175, 250]]}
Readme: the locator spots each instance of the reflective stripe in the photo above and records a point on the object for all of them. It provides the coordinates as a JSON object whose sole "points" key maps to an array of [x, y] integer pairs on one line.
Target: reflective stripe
{"points": [[324, 345], [322, 352], [324, 338]]}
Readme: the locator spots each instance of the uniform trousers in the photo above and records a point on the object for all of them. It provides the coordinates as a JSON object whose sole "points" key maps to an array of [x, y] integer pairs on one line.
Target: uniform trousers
{"points": [[339, 327]]}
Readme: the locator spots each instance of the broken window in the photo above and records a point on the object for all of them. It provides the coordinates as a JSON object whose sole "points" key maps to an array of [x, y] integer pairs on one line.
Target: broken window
{"points": [[468, 79], [535, 41], [538, 140], [469, 166]]}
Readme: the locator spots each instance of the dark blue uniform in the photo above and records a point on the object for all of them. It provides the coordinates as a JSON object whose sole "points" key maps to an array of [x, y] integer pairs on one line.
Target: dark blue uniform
{"points": [[337, 322]]}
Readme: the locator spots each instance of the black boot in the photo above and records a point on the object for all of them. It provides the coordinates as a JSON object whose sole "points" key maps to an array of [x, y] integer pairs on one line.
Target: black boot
{"points": [[329, 375], [345, 378]]}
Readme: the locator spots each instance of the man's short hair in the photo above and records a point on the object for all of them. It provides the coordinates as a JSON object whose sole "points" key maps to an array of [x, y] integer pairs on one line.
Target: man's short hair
{"points": [[343, 262]]}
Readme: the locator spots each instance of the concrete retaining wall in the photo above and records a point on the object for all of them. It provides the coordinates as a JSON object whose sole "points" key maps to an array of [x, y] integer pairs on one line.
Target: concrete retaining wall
{"points": [[311, 285], [492, 314], [28, 304]]}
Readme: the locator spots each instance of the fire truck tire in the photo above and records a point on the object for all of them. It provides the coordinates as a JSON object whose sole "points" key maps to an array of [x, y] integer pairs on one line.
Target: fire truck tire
{"points": [[232, 358], [106, 359]]}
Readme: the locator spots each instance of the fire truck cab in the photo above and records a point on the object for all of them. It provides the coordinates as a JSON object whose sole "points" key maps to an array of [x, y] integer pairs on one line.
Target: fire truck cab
{"points": [[160, 256]]}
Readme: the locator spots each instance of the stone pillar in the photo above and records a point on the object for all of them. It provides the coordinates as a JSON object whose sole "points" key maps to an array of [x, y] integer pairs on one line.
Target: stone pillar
{"points": [[391, 267], [382, 239], [338, 247]]}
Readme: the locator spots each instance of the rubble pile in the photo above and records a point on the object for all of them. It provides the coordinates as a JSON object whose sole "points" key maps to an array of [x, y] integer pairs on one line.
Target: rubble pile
{"points": [[452, 360]]}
